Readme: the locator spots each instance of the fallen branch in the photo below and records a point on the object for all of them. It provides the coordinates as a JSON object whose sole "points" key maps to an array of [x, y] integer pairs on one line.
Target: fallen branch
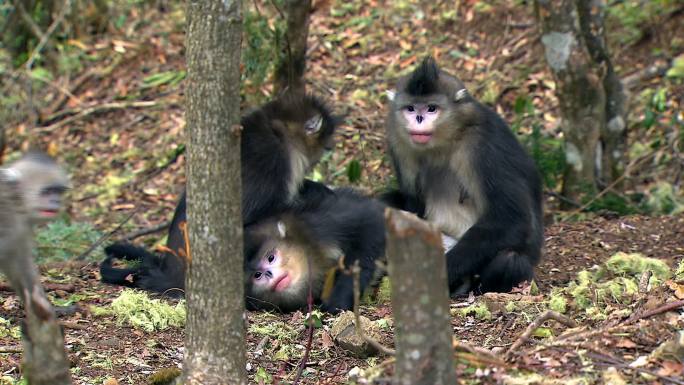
{"points": [[356, 271], [86, 111], [10, 349], [548, 315], [660, 309], [142, 232], [105, 237]]}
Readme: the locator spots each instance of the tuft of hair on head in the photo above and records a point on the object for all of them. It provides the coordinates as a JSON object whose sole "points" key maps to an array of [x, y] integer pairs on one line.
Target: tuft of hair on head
{"points": [[424, 79]]}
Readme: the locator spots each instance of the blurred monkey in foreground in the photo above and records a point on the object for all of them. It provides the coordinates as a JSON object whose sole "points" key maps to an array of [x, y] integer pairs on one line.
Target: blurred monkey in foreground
{"points": [[30, 193]]}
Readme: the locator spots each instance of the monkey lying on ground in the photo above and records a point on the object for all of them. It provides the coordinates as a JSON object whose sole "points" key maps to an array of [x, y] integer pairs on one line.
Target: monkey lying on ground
{"points": [[324, 235], [459, 166], [281, 141]]}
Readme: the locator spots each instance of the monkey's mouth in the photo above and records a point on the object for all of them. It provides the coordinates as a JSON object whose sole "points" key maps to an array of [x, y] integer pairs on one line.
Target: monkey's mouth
{"points": [[281, 283], [47, 213], [420, 137]]}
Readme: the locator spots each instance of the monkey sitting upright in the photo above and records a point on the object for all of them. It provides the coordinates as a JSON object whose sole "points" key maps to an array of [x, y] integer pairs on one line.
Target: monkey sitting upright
{"points": [[314, 245], [281, 141], [459, 166]]}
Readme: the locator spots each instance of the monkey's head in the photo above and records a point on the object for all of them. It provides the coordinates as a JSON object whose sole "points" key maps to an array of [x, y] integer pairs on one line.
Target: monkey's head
{"points": [[307, 121], [42, 182], [279, 267], [430, 107]]}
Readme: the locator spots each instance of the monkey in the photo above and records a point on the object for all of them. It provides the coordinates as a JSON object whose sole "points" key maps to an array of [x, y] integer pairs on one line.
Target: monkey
{"points": [[281, 141], [313, 246], [460, 167], [42, 183]]}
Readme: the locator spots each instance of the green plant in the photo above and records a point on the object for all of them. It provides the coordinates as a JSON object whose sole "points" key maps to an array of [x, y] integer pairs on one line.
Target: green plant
{"points": [[545, 149], [61, 240]]}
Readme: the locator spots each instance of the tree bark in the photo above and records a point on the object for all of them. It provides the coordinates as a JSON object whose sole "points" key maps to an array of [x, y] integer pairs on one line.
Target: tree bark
{"points": [[580, 94], [215, 328], [420, 301], [289, 73], [614, 131], [45, 361]]}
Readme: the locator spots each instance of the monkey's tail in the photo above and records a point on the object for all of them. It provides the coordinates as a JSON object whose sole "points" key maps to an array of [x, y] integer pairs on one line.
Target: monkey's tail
{"points": [[124, 276]]}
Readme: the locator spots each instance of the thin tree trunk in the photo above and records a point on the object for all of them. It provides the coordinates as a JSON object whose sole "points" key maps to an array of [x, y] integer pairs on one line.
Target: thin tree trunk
{"points": [[45, 361], [215, 343], [289, 73], [580, 94], [614, 133], [420, 302]]}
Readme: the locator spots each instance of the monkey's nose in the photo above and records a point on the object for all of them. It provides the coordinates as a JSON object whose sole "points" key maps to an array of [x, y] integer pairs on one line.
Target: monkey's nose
{"points": [[419, 119], [269, 275]]}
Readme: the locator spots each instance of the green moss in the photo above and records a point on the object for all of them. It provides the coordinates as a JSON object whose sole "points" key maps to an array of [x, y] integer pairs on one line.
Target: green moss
{"points": [[139, 310], [635, 264], [480, 311], [558, 303]]}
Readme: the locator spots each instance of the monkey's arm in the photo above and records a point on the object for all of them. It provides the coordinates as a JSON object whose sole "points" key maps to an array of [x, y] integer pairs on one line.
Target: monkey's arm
{"points": [[497, 248], [398, 200]]}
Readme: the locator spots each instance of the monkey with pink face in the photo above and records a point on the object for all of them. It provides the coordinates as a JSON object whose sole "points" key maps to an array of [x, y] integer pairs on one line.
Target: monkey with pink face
{"points": [[460, 167]]}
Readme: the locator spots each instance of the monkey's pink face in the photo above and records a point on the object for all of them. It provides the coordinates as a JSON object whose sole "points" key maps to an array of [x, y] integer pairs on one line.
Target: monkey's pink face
{"points": [[271, 273], [420, 121]]}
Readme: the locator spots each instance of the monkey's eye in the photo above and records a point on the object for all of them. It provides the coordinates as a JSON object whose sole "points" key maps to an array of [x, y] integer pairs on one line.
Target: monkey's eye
{"points": [[410, 108], [271, 258], [432, 108], [257, 275], [53, 190]]}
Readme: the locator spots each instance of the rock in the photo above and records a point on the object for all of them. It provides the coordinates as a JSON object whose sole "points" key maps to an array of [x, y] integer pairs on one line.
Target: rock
{"points": [[343, 332]]}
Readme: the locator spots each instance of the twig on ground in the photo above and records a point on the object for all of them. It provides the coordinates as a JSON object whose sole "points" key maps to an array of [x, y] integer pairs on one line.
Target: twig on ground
{"points": [[356, 271], [142, 232], [644, 280], [547, 315], [309, 337], [105, 237], [660, 309], [86, 111], [10, 349]]}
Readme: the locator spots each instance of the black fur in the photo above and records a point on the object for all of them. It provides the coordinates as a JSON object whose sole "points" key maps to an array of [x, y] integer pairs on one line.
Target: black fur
{"points": [[424, 80], [266, 171], [505, 243], [266, 157], [161, 273], [345, 220]]}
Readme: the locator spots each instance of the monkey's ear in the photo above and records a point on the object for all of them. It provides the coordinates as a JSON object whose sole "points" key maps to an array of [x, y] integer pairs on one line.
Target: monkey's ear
{"points": [[391, 94], [460, 94], [282, 229], [313, 125]]}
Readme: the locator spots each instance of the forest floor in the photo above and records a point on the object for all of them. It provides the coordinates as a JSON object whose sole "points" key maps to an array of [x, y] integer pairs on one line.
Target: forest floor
{"points": [[119, 130]]}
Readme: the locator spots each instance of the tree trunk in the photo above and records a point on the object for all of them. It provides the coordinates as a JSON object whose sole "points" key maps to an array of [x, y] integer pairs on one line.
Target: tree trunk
{"points": [[420, 302], [289, 73], [614, 131], [45, 361], [580, 94], [215, 344]]}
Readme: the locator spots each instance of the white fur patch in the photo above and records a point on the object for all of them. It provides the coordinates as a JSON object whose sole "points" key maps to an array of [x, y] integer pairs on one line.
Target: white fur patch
{"points": [[448, 242], [460, 94], [451, 217], [299, 163], [391, 94]]}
